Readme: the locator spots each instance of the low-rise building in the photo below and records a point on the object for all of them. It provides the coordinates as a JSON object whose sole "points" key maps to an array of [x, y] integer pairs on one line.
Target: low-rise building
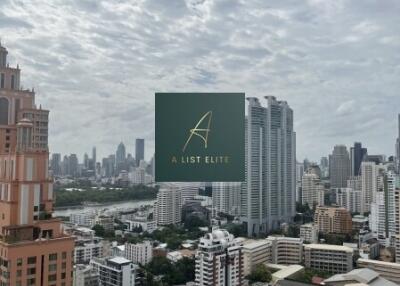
{"points": [[254, 253], [286, 250], [82, 219], [141, 223], [361, 277], [388, 270], [328, 258], [116, 271], [309, 233], [107, 222], [85, 275]]}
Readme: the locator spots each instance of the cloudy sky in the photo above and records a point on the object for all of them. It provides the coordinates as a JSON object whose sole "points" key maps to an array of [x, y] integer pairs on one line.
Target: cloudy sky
{"points": [[96, 64]]}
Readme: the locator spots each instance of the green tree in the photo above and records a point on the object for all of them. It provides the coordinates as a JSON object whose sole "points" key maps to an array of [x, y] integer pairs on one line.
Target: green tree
{"points": [[99, 230], [193, 221], [259, 274]]}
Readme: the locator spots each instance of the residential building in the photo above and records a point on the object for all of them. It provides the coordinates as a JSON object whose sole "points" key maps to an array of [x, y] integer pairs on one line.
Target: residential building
{"points": [[106, 221], [339, 166], [168, 208], [268, 196], [142, 223], [369, 176], [55, 164], [33, 246], [86, 249], [312, 190], [286, 250], [226, 198], [139, 253], [328, 258], [116, 271], [219, 260], [349, 198], [255, 253], [83, 219], [387, 270], [85, 275], [398, 147], [333, 220], [309, 233]]}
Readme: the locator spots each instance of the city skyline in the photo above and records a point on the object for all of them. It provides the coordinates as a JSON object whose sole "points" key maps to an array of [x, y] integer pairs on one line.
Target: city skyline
{"points": [[336, 63]]}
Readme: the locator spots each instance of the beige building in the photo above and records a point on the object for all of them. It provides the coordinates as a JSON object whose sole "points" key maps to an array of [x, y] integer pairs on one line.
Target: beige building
{"points": [[328, 258], [312, 190], [34, 250], [388, 270], [333, 220], [309, 233], [168, 208], [286, 250], [254, 253]]}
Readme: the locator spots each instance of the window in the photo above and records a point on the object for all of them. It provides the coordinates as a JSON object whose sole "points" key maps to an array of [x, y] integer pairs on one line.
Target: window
{"points": [[64, 265], [63, 275], [53, 256], [32, 260], [52, 267], [12, 81], [19, 260], [2, 81], [31, 282], [31, 271], [4, 105], [64, 255], [19, 273], [35, 208], [52, 277]]}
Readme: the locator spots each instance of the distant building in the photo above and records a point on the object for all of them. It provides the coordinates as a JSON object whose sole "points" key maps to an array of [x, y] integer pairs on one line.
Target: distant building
{"points": [[139, 253], [349, 198], [107, 222], [357, 155], [226, 197], [82, 219], [219, 260], [309, 233], [117, 271], [328, 258], [333, 220], [369, 176], [168, 208], [312, 190], [339, 166], [55, 164], [139, 150]]}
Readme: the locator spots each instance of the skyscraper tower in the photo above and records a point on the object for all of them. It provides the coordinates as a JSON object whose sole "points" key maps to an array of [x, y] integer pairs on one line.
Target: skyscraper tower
{"points": [[139, 150], [357, 155], [268, 194], [94, 156], [398, 148], [33, 247], [339, 166]]}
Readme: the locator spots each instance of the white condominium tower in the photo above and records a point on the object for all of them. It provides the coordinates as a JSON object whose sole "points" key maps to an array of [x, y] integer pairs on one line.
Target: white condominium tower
{"points": [[219, 260], [268, 194]]}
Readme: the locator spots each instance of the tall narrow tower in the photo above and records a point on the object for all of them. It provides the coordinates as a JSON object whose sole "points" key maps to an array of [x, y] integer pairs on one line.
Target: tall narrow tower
{"points": [[33, 247], [398, 148]]}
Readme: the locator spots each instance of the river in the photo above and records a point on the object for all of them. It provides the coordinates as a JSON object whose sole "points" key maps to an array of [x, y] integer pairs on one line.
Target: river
{"points": [[111, 206]]}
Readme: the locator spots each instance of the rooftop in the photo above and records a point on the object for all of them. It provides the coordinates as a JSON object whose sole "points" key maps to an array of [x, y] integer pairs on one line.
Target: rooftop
{"points": [[119, 260], [328, 247]]}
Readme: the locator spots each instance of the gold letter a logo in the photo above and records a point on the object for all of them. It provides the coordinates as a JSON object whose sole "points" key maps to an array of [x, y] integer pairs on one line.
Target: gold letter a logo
{"points": [[196, 130]]}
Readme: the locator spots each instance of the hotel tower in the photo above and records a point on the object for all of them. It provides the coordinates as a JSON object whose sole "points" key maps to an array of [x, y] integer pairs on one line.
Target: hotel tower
{"points": [[33, 247]]}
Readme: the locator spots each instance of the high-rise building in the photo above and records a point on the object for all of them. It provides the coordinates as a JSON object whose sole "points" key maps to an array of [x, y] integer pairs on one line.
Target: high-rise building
{"points": [[382, 219], [339, 166], [73, 165], [94, 155], [369, 184], [333, 220], [55, 164], [226, 197], [398, 148], [324, 165], [219, 260], [168, 207], [268, 196], [120, 158], [139, 150], [34, 250], [357, 155], [349, 198], [312, 190]]}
